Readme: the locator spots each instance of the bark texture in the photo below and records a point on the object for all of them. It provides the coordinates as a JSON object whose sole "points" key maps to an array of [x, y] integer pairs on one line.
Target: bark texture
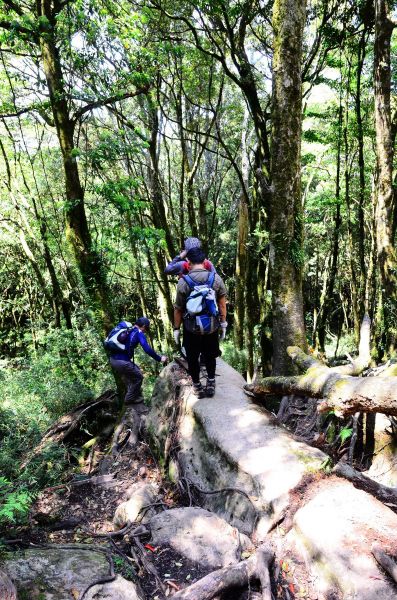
{"points": [[338, 387], [286, 208], [384, 148]]}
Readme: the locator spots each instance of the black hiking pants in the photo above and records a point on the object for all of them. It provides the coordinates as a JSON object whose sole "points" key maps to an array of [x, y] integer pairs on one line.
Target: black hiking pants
{"points": [[132, 378], [206, 345]]}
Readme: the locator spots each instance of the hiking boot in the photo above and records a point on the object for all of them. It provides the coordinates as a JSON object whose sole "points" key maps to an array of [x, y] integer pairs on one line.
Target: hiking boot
{"points": [[198, 390], [210, 388], [138, 400]]}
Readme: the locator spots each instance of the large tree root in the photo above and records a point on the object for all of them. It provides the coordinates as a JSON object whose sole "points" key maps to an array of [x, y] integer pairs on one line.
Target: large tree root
{"points": [[385, 494], [127, 431], [239, 575]]}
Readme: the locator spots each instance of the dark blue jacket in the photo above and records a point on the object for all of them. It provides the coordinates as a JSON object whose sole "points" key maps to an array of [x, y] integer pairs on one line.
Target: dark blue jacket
{"points": [[136, 337]]}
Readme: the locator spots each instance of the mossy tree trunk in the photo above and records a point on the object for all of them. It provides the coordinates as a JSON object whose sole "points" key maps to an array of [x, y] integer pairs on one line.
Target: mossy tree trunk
{"points": [[77, 231], [242, 239], [384, 151], [286, 219]]}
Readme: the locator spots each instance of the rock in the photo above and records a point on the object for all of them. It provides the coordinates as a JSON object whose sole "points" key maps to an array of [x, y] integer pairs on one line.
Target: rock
{"points": [[199, 535], [55, 573], [138, 495], [336, 529], [384, 463], [119, 589], [226, 441]]}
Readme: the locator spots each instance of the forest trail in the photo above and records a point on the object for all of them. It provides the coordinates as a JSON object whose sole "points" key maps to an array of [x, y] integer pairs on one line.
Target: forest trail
{"points": [[275, 488], [232, 458]]}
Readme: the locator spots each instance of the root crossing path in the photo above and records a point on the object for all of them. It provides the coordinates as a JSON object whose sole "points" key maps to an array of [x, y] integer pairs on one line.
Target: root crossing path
{"points": [[234, 458]]}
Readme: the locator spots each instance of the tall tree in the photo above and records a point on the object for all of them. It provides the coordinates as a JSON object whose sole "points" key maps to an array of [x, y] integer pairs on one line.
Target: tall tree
{"points": [[384, 149], [286, 218]]}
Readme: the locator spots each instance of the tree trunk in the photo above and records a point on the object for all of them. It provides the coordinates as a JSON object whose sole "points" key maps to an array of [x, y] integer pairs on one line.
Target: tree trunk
{"points": [[384, 149], [361, 162], [329, 291], [77, 231], [286, 219], [242, 239]]}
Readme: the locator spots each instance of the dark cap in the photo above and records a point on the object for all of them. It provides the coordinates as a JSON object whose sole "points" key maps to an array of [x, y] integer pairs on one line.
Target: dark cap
{"points": [[143, 322], [196, 256]]}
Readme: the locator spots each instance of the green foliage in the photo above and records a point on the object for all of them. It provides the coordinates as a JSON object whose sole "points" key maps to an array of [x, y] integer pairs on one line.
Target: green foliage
{"points": [[14, 504], [64, 370], [345, 433], [236, 358], [124, 568]]}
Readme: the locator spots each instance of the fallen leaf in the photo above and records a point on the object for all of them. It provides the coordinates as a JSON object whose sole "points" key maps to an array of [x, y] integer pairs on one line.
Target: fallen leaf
{"points": [[75, 594], [292, 588], [167, 574], [285, 566], [246, 554], [188, 576], [151, 548], [178, 564]]}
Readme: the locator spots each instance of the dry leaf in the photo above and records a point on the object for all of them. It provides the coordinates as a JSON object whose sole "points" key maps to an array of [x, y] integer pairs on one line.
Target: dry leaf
{"points": [[75, 594]]}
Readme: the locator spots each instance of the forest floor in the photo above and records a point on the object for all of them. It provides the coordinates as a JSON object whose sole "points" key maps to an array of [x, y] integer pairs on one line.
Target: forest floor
{"points": [[83, 510], [83, 514]]}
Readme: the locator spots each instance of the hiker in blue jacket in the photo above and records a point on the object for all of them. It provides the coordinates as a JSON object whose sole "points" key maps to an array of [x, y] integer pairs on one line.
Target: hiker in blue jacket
{"points": [[180, 265], [122, 361]]}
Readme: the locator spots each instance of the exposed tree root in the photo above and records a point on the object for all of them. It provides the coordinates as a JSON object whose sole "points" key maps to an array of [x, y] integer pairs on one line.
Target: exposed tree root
{"points": [[61, 429], [126, 432], [385, 494], [239, 575]]}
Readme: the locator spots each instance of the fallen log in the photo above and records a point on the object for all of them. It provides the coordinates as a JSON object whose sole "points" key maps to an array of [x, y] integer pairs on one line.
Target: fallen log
{"points": [[220, 581], [385, 494], [342, 393], [61, 429], [7, 588]]}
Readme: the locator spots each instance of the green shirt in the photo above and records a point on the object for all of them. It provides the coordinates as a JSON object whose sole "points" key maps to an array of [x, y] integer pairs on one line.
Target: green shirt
{"points": [[201, 276]]}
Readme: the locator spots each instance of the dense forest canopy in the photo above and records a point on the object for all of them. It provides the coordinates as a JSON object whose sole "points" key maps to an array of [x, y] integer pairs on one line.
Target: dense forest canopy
{"points": [[127, 126]]}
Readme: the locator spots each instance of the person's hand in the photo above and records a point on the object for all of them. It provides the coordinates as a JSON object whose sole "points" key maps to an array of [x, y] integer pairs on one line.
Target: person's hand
{"points": [[183, 253], [223, 332], [177, 335], [164, 359]]}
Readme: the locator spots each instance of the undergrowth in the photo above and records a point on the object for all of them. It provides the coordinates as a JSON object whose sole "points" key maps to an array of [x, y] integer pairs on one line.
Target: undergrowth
{"points": [[65, 369]]}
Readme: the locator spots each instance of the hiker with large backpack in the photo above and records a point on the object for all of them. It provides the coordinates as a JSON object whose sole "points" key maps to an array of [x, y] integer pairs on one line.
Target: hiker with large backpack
{"points": [[121, 343], [201, 306], [180, 266]]}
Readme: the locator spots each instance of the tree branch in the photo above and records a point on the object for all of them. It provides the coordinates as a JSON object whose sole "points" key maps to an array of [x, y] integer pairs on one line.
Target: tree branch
{"points": [[104, 101]]}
